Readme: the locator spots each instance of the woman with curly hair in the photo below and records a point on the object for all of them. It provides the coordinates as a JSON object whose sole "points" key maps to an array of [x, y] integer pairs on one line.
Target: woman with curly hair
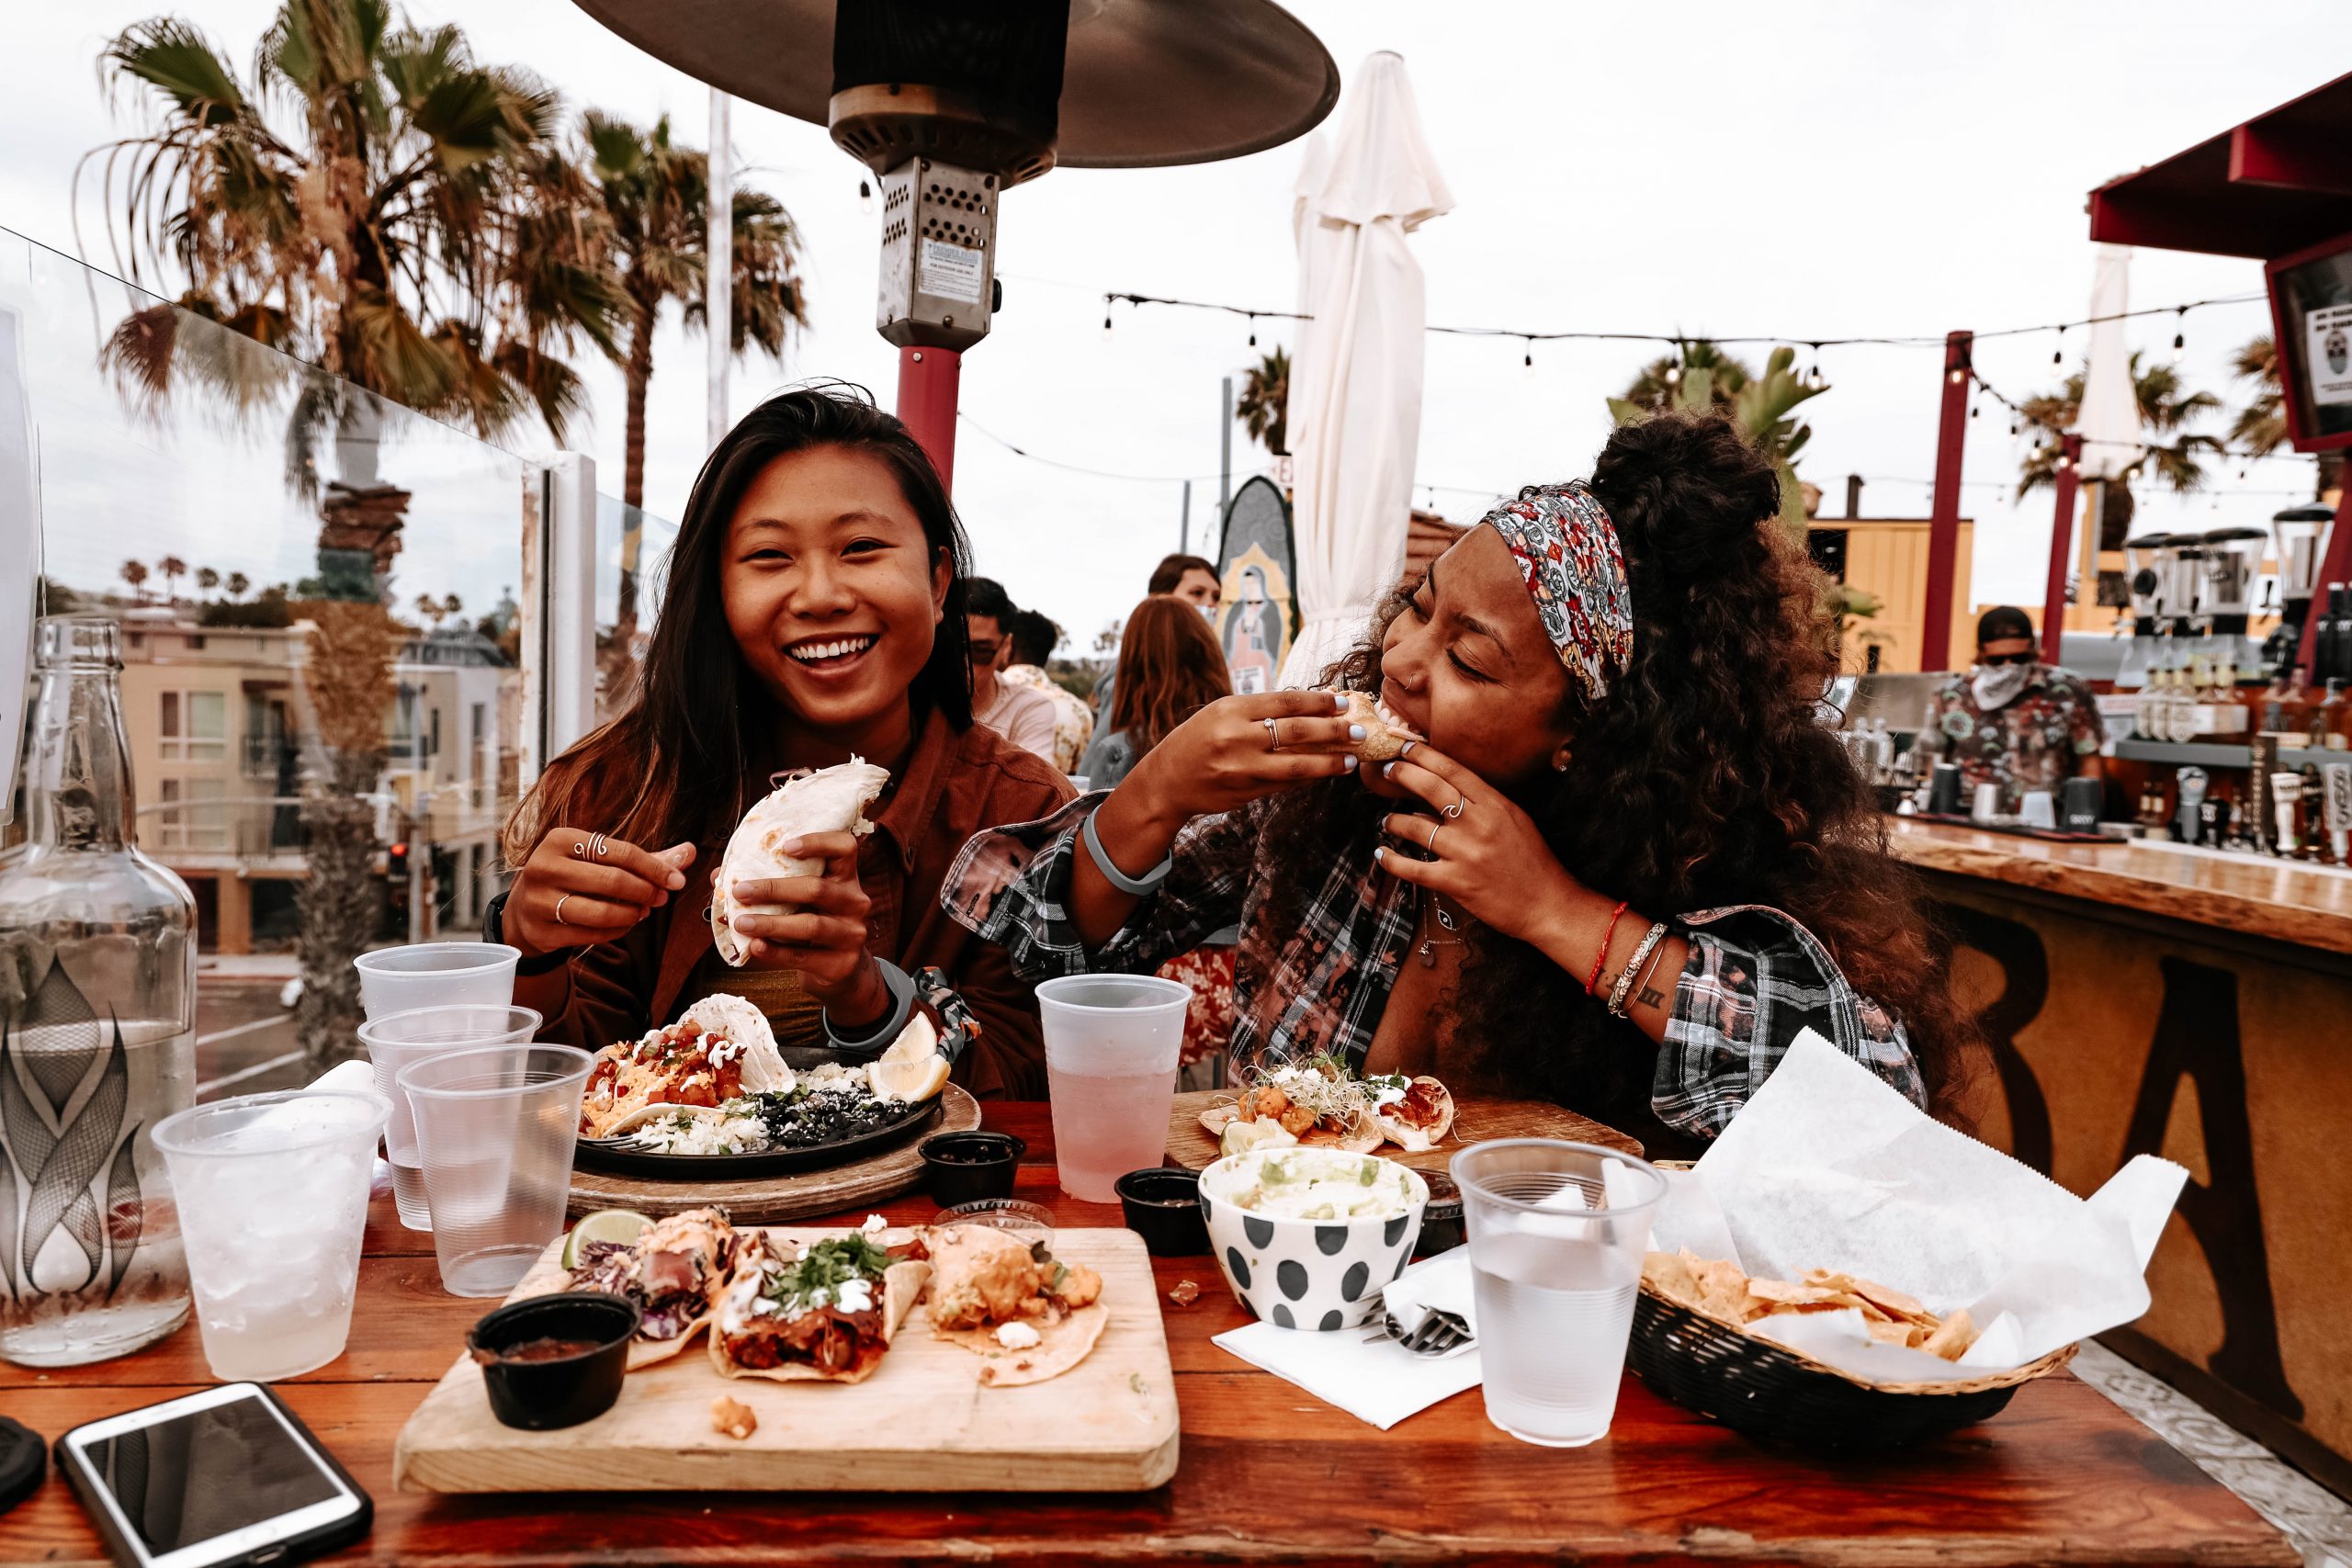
{"points": [[1622, 869]]}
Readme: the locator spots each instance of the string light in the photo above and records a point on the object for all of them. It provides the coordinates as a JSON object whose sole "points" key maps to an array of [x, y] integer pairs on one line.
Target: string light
{"points": [[865, 197], [2179, 337], [2058, 354], [1253, 330], [1813, 378], [1106, 326], [1528, 359]]}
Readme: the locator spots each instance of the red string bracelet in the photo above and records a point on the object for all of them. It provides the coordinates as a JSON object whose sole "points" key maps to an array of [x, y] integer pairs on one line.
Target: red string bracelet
{"points": [[1601, 959]]}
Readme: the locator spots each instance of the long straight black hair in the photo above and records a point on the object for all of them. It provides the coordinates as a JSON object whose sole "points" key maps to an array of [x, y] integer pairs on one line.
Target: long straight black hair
{"points": [[677, 761]]}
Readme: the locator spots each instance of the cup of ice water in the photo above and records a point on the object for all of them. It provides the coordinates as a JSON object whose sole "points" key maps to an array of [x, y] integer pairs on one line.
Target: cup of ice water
{"points": [[272, 1192], [395, 979], [496, 1126], [394, 1041], [1112, 1043], [1557, 1230]]}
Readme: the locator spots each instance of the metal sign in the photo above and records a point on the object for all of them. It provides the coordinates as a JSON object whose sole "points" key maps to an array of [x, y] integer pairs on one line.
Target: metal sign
{"points": [[1256, 619]]}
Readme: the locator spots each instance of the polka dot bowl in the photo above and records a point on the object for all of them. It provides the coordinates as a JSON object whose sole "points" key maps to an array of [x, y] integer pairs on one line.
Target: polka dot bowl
{"points": [[1310, 1274]]}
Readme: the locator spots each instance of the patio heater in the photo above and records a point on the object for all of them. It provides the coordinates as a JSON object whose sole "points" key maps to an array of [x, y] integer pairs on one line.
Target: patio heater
{"points": [[951, 103]]}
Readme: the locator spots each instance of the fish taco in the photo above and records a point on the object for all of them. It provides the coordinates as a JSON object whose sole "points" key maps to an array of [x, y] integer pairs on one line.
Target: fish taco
{"points": [[1027, 1313]]}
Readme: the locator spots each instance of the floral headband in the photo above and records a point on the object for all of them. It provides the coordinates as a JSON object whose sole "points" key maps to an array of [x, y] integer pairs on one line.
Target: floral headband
{"points": [[1567, 553]]}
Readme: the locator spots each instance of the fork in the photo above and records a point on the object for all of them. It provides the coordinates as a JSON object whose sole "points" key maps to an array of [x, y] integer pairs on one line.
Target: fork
{"points": [[1435, 1335]]}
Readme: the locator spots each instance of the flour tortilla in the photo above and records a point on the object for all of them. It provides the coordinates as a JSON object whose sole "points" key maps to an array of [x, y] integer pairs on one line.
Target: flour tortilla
{"points": [[764, 1067], [831, 800], [697, 1231], [1407, 1136], [1382, 741], [902, 1283], [1064, 1339], [1213, 1121]]}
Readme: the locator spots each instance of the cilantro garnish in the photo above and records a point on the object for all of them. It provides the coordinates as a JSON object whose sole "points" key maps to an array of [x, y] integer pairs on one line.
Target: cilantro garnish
{"points": [[826, 1266]]}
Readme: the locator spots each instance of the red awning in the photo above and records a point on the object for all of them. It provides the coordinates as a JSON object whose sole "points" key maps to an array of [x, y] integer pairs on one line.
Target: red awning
{"points": [[2271, 187]]}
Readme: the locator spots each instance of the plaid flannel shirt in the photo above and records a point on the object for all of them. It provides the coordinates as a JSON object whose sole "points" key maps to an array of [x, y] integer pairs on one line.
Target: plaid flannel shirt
{"points": [[1754, 977]]}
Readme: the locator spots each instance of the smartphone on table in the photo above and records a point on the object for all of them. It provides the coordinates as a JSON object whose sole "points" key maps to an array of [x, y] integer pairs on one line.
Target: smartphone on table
{"points": [[222, 1478]]}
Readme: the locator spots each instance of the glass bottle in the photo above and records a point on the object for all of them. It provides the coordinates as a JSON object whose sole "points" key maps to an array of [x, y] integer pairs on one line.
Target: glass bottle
{"points": [[2327, 719], [98, 1030]]}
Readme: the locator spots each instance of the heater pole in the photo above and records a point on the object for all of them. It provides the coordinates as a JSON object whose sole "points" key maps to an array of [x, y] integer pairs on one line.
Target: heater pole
{"points": [[928, 380], [1943, 525], [2062, 545]]}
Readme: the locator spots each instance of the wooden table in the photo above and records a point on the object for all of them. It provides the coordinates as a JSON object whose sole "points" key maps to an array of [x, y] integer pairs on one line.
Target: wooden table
{"points": [[1269, 1472]]}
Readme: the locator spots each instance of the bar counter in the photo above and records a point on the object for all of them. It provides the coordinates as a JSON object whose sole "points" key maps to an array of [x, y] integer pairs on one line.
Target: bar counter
{"points": [[2143, 1000]]}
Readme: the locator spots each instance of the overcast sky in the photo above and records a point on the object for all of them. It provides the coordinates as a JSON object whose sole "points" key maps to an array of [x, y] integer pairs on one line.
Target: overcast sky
{"points": [[1822, 168]]}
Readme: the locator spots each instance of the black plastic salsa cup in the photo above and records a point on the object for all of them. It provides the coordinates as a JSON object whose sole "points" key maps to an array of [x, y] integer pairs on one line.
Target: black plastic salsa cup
{"points": [[1163, 1206], [962, 1168], [563, 1391]]}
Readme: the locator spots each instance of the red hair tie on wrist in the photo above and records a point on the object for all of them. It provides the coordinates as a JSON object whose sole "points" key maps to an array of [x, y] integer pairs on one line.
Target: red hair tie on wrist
{"points": [[1601, 959]]}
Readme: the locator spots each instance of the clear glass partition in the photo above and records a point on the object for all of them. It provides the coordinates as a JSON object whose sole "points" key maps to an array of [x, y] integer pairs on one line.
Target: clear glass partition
{"points": [[632, 570], [318, 591]]}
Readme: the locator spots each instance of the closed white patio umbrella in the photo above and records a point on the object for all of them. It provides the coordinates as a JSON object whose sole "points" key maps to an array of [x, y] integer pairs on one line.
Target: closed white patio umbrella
{"points": [[2108, 420], [1355, 384]]}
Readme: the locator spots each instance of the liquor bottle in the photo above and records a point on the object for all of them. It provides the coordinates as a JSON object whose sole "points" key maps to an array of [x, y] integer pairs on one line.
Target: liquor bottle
{"points": [[2328, 719], [2274, 706], [98, 1030]]}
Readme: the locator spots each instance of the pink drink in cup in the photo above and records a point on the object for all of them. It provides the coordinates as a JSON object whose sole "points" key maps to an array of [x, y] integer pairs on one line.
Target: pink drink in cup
{"points": [[1112, 1043]]}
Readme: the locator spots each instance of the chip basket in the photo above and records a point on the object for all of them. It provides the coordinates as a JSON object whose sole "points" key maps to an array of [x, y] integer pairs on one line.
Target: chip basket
{"points": [[1776, 1394]]}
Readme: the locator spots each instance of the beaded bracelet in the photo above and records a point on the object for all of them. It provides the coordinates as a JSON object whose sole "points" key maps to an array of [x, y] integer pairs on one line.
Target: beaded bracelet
{"points": [[1624, 987]]}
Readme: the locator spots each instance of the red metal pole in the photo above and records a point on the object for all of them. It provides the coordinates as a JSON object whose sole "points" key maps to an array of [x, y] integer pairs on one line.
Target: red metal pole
{"points": [[928, 380], [2062, 548], [1943, 525], [2335, 566]]}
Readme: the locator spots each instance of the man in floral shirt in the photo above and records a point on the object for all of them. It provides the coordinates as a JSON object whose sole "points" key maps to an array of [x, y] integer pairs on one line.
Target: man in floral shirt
{"points": [[2013, 720]]}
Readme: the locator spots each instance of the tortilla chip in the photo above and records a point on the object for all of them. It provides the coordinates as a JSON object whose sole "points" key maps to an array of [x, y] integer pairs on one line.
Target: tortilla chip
{"points": [[1951, 1337], [1894, 1303], [1063, 1341], [1671, 1276], [902, 1283]]}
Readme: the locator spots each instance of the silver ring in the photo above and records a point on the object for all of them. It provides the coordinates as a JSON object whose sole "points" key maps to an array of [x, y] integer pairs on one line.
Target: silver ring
{"points": [[559, 903], [600, 842], [1454, 810], [1274, 739], [580, 849], [1430, 848]]}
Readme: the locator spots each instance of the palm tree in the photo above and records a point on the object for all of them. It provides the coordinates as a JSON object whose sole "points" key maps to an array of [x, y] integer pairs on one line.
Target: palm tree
{"points": [[370, 198], [656, 194], [134, 572], [236, 583], [173, 569], [430, 608], [1265, 407], [451, 604], [207, 580], [2165, 411], [1657, 385], [2260, 427]]}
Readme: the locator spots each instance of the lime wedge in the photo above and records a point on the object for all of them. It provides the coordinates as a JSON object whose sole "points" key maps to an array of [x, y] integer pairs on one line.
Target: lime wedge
{"points": [[622, 1225]]}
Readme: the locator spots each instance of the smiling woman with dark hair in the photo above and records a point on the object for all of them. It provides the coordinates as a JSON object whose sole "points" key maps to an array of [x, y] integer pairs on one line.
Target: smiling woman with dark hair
{"points": [[815, 612], [1623, 869]]}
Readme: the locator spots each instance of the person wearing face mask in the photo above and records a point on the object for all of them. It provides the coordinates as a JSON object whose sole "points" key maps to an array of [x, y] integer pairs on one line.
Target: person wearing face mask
{"points": [[1625, 867], [2013, 720]]}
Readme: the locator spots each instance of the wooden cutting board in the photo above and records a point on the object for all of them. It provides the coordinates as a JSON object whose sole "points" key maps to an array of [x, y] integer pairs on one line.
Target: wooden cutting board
{"points": [[769, 1200], [1476, 1120], [922, 1422]]}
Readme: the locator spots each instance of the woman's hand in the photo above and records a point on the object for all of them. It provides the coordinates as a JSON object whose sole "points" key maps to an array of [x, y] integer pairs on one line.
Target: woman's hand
{"points": [[1238, 749], [817, 925], [1474, 847], [580, 888]]}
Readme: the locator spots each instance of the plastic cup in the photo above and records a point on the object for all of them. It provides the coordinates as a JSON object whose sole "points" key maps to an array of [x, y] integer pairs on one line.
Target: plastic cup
{"points": [[1556, 1235], [496, 1126], [396, 1040], [272, 1192], [2039, 809], [395, 979], [1112, 1043]]}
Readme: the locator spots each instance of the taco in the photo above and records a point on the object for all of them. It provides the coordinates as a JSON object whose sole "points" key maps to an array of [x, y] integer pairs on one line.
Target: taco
{"points": [[675, 1272], [1415, 1114], [1323, 1109], [831, 800], [1384, 735], [721, 1050], [826, 1315], [1028, 1315]]}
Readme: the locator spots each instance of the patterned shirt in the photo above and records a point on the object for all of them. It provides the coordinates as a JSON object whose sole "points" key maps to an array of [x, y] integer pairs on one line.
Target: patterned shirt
{"points": [[2035, 741], [1754, 980], [1073, 720]]}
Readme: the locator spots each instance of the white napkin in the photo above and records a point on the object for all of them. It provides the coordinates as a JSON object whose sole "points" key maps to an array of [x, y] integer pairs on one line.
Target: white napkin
{"points": [[1440, 1284], [1381, 1382], [356, 1076]]}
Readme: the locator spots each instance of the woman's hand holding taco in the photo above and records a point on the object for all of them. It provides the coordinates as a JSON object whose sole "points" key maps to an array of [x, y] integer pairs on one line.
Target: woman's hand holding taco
{"points": [[1238, 748], [580, 888], [817, 925]]}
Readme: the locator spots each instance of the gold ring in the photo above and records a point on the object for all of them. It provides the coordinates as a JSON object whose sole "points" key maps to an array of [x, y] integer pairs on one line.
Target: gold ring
{"points": [[1273, 737], [560, 902]]}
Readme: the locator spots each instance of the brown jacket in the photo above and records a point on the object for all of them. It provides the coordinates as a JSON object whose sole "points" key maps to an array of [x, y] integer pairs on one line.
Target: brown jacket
{"points": [[952, 787]]}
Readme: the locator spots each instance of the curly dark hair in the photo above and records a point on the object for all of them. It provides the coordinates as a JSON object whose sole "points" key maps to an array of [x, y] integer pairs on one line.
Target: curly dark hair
{"points": [[1704, 778]]}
